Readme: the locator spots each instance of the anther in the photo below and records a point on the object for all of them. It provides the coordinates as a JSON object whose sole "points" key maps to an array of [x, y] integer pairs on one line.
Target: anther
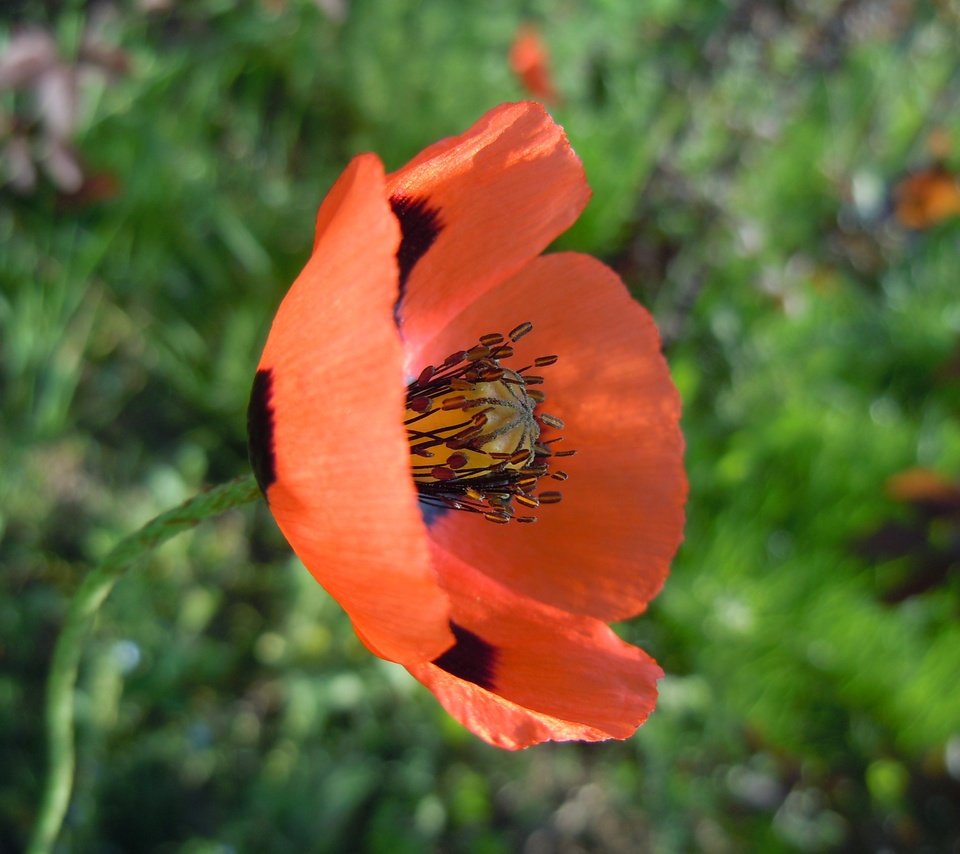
{"points": [[475, 354], [518, 332], [551, 421], [458, 461]]}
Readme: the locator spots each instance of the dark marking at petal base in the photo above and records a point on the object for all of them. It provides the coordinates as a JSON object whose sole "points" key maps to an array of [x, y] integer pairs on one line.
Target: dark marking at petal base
{"points": [[420, 224], [471, 658], [260, 430], [431, 513]]}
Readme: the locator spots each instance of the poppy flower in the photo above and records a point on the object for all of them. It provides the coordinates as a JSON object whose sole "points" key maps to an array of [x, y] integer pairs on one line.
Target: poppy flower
{"points": [[430, 386], [530, 61], [926, 198]]}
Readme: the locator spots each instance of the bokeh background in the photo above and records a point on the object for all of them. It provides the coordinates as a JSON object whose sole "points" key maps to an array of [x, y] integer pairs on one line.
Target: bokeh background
{"points": [[774, 180]]}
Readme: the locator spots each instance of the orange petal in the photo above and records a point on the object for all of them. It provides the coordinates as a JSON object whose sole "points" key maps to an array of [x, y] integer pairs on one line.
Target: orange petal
{"points": [[523, 672], [605, 549], [530, 61], [327, 441], [476, 207]]}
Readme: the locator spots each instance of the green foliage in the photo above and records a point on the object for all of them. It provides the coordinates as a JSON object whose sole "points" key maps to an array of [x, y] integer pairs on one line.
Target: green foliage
{"points": [[742, 158]]}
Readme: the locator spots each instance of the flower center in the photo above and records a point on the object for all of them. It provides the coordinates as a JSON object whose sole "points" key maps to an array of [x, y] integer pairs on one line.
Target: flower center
{"points": [[475, 432]]}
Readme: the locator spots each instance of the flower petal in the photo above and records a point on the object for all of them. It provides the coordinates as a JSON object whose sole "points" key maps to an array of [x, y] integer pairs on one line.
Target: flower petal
{"points": [[476, 207], [605, 549], [523, 672], [530, 61], [327, 441]]}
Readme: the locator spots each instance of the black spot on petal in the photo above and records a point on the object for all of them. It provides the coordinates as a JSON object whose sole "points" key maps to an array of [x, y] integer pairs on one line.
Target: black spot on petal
{"points": [[471, 658], [260, 430], [420, 224]]}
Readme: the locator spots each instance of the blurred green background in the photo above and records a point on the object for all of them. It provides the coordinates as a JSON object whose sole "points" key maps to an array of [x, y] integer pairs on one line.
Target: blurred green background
{"points": [[162, 165]]}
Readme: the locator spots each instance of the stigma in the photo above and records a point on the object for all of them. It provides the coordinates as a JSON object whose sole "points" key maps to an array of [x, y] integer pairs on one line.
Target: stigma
{"points": [[476, 432]]}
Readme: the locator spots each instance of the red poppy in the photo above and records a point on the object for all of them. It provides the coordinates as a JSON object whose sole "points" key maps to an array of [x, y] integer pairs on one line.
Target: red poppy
{"points": [[399, 432], [530, 61]]}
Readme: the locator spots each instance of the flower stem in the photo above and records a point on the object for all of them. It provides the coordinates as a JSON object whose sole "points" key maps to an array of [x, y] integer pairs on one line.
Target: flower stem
{"points": [[83, 609]]}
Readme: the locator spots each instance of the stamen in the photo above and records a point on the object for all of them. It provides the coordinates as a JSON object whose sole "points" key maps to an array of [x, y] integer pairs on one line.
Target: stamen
{"points": [[454, 402], [458, 461], [518, 332], [482, 461]]}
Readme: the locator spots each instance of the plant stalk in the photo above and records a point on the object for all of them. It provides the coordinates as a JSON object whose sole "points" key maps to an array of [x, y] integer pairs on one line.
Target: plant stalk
{"points": [[93, 590]]}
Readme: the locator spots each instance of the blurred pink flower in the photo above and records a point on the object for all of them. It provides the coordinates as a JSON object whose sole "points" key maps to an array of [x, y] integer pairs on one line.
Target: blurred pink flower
{"points": [[41, 134]]}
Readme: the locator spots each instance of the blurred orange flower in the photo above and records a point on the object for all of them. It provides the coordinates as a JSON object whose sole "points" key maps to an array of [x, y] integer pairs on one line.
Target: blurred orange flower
{"points": [[922, 486], [530, 61], [927, 198], [398, 431]]}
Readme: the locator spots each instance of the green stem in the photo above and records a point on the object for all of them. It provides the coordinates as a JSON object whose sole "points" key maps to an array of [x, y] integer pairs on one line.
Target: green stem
{"points": [[83, 609]]}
